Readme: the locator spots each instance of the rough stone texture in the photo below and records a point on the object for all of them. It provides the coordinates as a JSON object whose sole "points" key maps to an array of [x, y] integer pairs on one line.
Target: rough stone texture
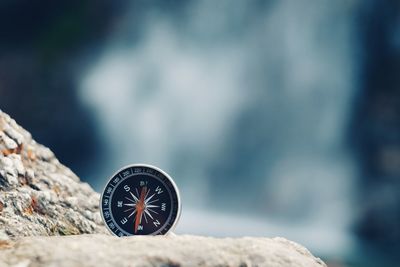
{"points": [[172, 250], [39, 195]]}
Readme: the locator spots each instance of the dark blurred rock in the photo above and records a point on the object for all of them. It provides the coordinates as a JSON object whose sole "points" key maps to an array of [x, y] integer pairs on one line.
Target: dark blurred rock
{"points": [[171, 250], [44, 49], [39, 195]]}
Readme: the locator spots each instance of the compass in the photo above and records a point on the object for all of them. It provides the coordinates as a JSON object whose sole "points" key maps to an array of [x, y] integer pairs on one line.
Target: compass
{"points": [[140, 199]]}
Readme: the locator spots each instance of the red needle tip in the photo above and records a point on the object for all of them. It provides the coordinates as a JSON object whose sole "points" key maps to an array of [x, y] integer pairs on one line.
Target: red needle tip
{"points": [[140, 208]]}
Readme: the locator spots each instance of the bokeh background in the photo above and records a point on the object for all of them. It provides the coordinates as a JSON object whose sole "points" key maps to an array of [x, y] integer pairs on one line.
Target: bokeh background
{"points": [[275, 118]]}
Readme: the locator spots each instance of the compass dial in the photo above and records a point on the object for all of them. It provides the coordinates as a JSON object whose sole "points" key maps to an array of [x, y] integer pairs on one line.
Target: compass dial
{"points": [[140, 200]]}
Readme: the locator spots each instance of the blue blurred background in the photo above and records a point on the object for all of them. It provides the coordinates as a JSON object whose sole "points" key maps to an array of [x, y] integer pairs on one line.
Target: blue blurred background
{"points": [[275, 118]]}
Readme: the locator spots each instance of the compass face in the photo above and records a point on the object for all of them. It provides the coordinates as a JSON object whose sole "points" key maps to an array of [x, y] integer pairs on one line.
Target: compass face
{"points": [[140, 200]]}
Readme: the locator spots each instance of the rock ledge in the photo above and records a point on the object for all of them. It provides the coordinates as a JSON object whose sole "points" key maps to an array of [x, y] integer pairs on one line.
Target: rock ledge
{"points": [[171, 250]]}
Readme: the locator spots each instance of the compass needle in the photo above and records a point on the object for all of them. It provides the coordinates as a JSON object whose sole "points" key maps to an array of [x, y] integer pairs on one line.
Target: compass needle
{"points": [[140, 208], [140, 199]]}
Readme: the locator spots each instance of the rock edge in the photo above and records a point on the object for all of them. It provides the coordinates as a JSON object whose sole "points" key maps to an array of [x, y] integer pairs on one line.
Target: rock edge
{"points": [[39, 195], [170, 250]]}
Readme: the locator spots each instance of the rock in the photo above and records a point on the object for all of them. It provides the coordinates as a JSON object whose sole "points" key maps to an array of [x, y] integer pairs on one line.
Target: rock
{"points": [[41, 200], [170, 250], [39, 195]]}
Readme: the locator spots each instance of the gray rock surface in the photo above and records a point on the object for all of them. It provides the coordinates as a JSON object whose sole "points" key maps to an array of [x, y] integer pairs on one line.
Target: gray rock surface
{"points": [[39, 195], [171, 250]]}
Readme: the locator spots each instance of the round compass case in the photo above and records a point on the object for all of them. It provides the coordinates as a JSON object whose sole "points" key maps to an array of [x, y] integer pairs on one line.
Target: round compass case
{"points": [[140, 199]]}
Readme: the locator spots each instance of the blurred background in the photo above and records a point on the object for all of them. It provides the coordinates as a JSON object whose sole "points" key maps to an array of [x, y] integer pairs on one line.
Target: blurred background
{"points": [[275, 118]]}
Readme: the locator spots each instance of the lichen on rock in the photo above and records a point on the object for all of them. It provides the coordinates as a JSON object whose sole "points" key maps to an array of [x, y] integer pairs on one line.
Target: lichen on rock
{"points": [[39, 195]]}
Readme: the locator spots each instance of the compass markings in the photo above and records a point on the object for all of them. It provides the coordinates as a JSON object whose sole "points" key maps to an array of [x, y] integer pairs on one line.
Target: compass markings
{"points": [[158, 189], [132, 213], [137, 192], [148, 205], [156, 223], [147, 200], [131, 200], [152, 211], [134, 197], [144, 214], [129, 209], [152, 201], [148, 213], [144, 199]]}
